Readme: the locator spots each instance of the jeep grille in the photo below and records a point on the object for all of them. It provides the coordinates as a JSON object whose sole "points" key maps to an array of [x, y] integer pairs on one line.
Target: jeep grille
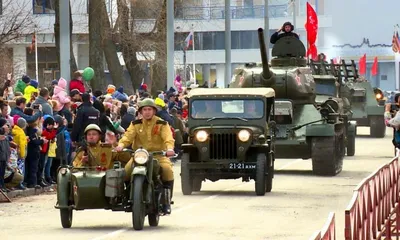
{"points": [[223, 146]]}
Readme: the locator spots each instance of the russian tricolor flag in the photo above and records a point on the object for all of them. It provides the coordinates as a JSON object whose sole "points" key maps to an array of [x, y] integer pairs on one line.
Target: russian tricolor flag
{"points": [[189, 40]]}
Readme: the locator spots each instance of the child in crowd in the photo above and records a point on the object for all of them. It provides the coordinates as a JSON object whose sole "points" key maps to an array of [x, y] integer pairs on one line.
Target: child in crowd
{"points": [[20, 138]]}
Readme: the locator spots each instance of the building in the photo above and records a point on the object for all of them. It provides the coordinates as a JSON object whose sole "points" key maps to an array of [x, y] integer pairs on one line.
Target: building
{"points": [[344, 30]]}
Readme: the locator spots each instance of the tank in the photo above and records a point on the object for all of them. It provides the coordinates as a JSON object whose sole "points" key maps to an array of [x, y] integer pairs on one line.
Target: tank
{"points": [[328, 86], [367, 103], [302, 128]]}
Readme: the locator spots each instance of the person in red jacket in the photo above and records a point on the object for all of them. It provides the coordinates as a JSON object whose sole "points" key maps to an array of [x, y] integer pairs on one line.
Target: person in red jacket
{"points": [[77, 83], [49, 132]]}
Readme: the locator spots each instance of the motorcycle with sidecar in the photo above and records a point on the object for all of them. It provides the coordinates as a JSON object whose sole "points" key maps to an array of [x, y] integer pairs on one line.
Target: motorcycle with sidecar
{"points": [[95, 187]]}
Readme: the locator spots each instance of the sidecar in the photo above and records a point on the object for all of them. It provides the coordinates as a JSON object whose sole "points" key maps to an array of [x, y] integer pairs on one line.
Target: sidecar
{"points": [[80, 188]]}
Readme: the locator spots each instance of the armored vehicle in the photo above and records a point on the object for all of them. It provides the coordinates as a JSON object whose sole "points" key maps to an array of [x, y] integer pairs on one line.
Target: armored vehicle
{"points": [[303, 130], [229, 138], [367, 103], [328, 86]]}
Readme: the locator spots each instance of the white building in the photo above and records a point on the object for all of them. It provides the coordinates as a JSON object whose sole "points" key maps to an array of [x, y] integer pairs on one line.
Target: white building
{"points": [[341, 22]]}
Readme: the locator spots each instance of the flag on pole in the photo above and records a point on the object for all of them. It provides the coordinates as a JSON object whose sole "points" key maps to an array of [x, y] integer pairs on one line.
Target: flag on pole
{"points": [[396, 40], [32, 47], [189, 40], [362, 65], [311, 27], [374, 69]]}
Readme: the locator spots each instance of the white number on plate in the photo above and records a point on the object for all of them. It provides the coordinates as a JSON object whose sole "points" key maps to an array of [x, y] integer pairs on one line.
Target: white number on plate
{"points": [[241, 166]]}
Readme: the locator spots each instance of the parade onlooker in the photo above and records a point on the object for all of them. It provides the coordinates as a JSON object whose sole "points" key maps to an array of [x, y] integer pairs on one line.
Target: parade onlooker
{"points": [[42, 100], [77, 83], [5, 152]]}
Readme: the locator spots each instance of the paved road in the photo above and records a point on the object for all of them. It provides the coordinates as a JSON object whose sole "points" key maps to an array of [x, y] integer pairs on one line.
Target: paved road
{"points": [[297, 206]]}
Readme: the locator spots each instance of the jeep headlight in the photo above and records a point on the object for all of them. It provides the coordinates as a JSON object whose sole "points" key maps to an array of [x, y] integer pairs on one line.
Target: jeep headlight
{"points": [[141, 156], [201, 136], [244, 135]]}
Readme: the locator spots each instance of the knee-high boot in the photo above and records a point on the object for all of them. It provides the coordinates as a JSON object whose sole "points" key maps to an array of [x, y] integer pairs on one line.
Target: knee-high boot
{"points": [[168, 190]]}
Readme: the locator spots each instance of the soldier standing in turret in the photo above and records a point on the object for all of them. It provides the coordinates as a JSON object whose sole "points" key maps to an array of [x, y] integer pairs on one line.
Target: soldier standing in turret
{"points": [[285, 31]]}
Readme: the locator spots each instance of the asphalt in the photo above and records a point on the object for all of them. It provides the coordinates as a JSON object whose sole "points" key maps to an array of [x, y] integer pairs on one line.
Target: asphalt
{"points": [[298, 206]]}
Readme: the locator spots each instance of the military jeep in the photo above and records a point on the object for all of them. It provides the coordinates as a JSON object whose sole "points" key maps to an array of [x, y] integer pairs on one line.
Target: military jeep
{"points": [[229, 138]]}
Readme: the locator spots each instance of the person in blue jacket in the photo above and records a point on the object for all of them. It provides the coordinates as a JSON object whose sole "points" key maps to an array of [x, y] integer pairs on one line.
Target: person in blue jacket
{"points": [[120, 95]]}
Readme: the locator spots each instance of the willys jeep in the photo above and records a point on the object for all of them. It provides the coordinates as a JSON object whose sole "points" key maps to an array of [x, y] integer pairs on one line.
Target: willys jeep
{"points": [[229, 138]]}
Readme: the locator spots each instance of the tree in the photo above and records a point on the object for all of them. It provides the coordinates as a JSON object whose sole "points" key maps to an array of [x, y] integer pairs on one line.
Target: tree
{"points": [[139, 33], [73, 65], [15, 21], [110, 49], [96, 60]]}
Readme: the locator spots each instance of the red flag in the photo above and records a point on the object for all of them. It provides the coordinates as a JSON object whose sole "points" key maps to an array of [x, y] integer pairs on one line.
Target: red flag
{"points": [[362, 65], [32, 47], [374, 69], [312, 31]]}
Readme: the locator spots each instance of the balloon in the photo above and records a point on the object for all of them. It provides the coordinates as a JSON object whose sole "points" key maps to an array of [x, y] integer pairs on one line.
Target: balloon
{"points": [[88, 74]]}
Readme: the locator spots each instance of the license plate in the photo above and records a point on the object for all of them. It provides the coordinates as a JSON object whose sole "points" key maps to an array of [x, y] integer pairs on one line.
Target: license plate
{"points": [[242, 166]]}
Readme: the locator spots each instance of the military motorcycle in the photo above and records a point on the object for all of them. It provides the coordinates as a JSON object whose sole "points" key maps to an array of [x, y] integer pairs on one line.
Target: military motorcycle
{"points": [[95, 187]]}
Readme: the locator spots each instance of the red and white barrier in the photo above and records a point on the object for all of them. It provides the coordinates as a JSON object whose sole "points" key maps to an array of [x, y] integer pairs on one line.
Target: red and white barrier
{"points": [[373, 212], [328, 232]]}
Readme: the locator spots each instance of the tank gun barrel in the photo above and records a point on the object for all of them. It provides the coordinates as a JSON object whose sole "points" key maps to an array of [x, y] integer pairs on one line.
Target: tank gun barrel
{"points": [[264, 57]]}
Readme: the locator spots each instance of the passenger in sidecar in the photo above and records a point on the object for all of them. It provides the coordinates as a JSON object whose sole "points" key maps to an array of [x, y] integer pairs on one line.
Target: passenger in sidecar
{"points": [[97, 154]]}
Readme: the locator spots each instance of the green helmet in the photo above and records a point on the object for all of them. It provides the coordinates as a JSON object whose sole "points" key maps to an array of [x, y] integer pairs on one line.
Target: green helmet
{"points": [[92, 127], [147, 102]]}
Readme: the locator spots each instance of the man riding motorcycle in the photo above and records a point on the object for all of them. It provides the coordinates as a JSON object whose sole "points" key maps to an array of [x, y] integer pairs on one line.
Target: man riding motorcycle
{"points": [[153, 134]]}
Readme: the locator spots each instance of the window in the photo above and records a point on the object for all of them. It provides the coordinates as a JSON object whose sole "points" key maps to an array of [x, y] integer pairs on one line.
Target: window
{"points": [[244, 108], [108, 6], [384, 77], [1, 7], [325, 88], [43, 6]]}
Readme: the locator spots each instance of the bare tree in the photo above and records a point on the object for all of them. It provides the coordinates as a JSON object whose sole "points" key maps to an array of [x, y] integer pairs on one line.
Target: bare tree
{"points": [[96, 60], [109, 47], [143, 31], [15, 20], [73, 65]]}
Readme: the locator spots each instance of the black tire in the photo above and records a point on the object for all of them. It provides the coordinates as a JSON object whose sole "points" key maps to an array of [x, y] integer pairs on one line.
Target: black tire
{"points": [[377, 126], [186, 179], [154, 219], [66, 218], [260, 185], [270, 176], [327, 155], [351, 144], [196, 186], [138, 206]]}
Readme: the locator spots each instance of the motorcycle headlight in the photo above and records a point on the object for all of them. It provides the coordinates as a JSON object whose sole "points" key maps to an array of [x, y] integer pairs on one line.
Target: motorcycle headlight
{"points": [[201, 136], [141, 156], [244, 135], [378, 96]]}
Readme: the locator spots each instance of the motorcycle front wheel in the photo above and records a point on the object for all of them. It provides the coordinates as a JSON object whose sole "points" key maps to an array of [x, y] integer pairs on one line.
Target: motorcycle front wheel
{"points": [[138, 206]]}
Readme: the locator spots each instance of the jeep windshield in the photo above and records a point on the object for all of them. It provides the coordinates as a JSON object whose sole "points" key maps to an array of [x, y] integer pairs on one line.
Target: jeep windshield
{"points": [[222, 108], [327, 88]]}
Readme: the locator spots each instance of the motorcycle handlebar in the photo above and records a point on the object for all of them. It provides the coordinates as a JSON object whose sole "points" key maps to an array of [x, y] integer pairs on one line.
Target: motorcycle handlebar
{"points": [[163, 153]]}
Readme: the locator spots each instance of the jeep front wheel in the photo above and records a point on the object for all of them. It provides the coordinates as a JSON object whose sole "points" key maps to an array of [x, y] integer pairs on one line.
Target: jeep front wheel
{"points": [[186, 178]]}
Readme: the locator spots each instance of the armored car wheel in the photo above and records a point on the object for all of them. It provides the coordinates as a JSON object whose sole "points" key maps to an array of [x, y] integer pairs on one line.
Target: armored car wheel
{"points": [[138, 206], [351, 144], [377, 126], [327, 155], [196, 186], [260, 179], [186, 179]]}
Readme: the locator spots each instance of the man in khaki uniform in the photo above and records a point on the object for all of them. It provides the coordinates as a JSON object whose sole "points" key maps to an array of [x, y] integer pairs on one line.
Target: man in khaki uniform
{"points": [[97, 153], [153, 134]]}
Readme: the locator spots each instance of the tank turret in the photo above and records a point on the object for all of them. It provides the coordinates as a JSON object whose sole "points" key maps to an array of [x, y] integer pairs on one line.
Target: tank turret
{"points": [[287, 73]]}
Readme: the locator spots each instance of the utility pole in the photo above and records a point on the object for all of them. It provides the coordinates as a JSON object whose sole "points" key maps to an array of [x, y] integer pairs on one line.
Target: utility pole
{"points": [[65, 53], [170, 43], [266, 26], [228, 65]]}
